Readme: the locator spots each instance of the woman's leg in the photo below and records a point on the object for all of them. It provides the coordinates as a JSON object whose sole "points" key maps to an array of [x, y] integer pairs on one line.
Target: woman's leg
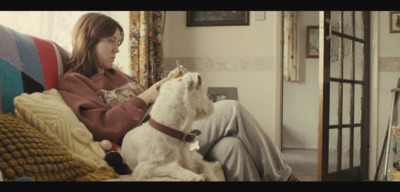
{"points": [[236, 161], [230, 118]]}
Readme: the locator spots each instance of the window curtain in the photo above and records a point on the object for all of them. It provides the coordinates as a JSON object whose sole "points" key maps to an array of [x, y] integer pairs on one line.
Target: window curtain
{"points": [[146, 54], [290, 47]]}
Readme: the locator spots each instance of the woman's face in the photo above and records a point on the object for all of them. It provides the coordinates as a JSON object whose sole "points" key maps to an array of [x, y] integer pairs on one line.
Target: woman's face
{"points": [[106, 50]]}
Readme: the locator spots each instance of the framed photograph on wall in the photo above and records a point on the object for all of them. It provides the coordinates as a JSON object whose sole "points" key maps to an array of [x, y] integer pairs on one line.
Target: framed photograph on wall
{"points": [[216, 18], [312, 45], [394, 21]]}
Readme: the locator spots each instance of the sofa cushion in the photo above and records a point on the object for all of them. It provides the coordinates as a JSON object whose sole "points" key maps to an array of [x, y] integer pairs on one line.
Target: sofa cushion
{"points": [[28, 64], [25, 152], [48, 112]]}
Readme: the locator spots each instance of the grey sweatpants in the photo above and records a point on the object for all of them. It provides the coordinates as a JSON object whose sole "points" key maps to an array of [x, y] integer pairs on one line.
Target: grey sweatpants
{"points": [[233, 137]]}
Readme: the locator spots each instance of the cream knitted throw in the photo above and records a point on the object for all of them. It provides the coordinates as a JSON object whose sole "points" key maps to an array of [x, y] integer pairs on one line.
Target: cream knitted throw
{"points": [[47, 112]]}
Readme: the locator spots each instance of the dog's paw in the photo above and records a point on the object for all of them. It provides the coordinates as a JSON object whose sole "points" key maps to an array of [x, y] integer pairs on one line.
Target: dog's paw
{"points": [[216, 165], [196, 177]]}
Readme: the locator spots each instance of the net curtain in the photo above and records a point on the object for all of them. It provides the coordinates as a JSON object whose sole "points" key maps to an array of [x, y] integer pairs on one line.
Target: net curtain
{"points": [[290, 47]]}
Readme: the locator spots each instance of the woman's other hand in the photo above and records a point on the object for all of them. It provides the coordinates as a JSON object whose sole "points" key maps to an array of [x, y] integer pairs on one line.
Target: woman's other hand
{"points": [[150, 95]]}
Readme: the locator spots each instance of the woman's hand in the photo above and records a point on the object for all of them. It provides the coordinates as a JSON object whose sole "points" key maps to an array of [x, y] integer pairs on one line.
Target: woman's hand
{"points": [[150, 95], [174, 72]]}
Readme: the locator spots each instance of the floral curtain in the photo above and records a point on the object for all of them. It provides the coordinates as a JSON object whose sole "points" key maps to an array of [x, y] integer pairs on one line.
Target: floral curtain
{"points": [[290, 47], [146, 52]]}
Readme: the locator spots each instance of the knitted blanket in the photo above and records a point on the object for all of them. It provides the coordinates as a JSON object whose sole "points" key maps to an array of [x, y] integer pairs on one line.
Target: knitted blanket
{"points": [[27, 64], [25, 152]]}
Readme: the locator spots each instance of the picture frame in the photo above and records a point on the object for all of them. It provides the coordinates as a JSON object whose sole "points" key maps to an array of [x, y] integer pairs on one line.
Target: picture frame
{"points": [[312, 45], [222, 93], [217, 18], [394, 21]]}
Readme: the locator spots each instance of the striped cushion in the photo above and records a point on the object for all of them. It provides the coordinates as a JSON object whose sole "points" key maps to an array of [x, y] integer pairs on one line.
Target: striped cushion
{"points": [[27, 64]]}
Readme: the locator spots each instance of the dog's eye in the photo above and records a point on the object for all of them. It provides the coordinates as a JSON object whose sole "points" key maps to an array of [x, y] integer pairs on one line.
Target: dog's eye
{"points": [[199, 81]]}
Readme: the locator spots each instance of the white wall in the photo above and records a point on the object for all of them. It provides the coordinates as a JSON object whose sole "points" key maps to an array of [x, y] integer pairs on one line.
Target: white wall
{"points": [[300, 99], [246, 57]]}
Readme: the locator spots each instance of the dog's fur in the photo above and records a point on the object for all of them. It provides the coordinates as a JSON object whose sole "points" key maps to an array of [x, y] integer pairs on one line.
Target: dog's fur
{"points": [[152, 154]]}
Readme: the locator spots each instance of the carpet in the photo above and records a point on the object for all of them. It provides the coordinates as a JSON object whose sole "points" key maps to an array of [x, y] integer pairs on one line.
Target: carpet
{"points": [[303, 162]]}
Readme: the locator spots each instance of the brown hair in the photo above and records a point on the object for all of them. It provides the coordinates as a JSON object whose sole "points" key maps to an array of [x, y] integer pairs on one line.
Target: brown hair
{"points": [[86, 34]]}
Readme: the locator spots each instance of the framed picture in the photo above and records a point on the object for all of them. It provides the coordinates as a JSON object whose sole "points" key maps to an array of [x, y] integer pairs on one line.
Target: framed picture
{"points": [[216, 18], [312, 45], [394, 21], [222, 93]]}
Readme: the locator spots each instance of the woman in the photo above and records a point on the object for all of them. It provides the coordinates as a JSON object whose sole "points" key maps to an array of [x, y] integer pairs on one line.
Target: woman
{"points": [[230, 135]]}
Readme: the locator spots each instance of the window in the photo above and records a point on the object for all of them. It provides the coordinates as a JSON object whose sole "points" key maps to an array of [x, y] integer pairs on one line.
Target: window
{"points": [[52, 25]]}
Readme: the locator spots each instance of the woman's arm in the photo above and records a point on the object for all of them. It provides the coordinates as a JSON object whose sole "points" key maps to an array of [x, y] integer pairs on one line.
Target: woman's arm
{"points": [[104, 123]]}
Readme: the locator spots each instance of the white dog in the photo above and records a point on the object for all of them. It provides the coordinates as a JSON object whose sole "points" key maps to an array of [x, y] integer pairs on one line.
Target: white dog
{"points": [[160, 148]]}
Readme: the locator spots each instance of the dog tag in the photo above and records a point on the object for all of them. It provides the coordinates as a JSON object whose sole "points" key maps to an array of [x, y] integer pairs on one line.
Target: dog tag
{"points": [[194, 146], [196, 132]]}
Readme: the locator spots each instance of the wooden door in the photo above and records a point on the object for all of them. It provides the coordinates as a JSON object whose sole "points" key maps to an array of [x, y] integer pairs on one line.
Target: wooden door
{"points": [[344, 78]]}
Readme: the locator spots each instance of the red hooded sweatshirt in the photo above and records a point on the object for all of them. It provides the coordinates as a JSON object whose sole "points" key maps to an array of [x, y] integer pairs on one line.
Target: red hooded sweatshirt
{"points": [[79, 92]]}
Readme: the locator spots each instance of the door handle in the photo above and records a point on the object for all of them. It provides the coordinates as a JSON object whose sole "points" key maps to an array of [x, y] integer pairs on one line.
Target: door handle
{"points": [[330, 29]]}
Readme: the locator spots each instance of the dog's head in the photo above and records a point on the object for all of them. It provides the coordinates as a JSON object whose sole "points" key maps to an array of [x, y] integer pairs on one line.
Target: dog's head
{"points": [[183, 97]]}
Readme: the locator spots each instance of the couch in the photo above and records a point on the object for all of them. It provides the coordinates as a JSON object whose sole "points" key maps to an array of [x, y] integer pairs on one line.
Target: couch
{"points": [[40, 136]]}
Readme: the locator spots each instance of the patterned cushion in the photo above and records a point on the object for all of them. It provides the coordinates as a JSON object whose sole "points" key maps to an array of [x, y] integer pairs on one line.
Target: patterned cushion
{"points": [[47, 112], [25, 152], [28, 64]]}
